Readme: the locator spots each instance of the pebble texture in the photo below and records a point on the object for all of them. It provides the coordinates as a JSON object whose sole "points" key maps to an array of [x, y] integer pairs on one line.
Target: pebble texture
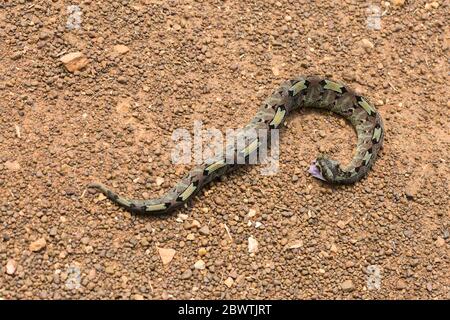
{"points": [[150, 68]]}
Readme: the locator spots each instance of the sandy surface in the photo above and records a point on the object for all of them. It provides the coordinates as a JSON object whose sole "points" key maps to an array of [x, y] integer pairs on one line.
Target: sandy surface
{"points": [[385, 237]]}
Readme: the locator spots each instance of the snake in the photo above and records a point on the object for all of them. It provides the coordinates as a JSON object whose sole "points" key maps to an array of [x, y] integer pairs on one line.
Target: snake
{"points": [[300, 92]]}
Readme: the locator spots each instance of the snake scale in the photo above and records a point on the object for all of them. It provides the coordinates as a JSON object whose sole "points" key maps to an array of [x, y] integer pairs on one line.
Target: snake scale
{"points": [[309, 92]]}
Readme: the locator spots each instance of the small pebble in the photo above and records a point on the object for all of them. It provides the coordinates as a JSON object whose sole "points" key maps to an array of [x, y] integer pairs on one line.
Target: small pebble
{"points": [[122, 80], [341, 224], [347, 286], [199, 265], [204, 230], [166, 254], [195, 224], [202, 251], [398, 3], [190, 237], [251, 213], [439, 242], [12, 165], [74, 61], [401, 284], [11, 267], [252, 245], [186, 274], [121, 49], [366, 44], [229, 282], [38, 245]]}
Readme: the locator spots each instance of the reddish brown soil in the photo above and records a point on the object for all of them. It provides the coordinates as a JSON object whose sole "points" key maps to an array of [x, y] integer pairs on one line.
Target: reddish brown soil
{"points": [[216, 61]]}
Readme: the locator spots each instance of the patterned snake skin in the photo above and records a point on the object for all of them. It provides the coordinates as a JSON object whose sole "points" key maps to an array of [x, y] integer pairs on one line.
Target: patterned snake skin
{"points": [[311, 92]]}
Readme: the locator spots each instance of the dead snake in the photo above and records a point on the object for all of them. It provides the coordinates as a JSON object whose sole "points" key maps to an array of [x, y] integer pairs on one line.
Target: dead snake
{"points": [[311, 92]]}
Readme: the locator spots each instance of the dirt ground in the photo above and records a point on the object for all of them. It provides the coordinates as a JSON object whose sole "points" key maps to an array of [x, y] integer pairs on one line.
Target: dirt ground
{"points": [[387, 237]]}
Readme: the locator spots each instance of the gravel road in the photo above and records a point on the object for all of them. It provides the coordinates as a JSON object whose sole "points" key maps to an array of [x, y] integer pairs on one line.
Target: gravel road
{"points": [[138, 70]]}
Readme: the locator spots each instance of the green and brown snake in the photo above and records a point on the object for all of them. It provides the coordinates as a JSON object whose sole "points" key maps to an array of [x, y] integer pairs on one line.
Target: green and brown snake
{"points": [[308, 92]]}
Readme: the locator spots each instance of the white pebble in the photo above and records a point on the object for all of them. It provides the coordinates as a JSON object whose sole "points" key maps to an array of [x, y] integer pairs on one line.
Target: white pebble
{"points": [[252, 245], [199, 265]]}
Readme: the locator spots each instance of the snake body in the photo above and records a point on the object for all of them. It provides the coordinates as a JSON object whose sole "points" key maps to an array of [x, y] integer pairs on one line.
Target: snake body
{"points": [[309, 92]]}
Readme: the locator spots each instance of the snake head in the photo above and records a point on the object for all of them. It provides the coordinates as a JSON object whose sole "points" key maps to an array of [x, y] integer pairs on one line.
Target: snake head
{"points": [[324, 169], [315, 171]]}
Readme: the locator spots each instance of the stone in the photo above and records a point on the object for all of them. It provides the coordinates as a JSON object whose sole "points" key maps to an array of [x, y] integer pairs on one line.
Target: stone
{"points": [[276, 71], [229, 282], [16, 55], [295, 244], [341, 224], [11, 267], [38, 245], [166, 254], [205, 210], [347, 286], [252, 245], [53, 231], [349, 264], [251, 213], [92, 274], [204, 230], [109, 269], [439, 242], [12, 165], [122, 80], [401, 284], [88, 249], [195, 224], [44, 35], [199, 265], [202, 252], [101, 197], [186, 275], [435, 4], [121, 49], [432, 5], [366, 44], [74, 61], [190, 237], [398, 3]]}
